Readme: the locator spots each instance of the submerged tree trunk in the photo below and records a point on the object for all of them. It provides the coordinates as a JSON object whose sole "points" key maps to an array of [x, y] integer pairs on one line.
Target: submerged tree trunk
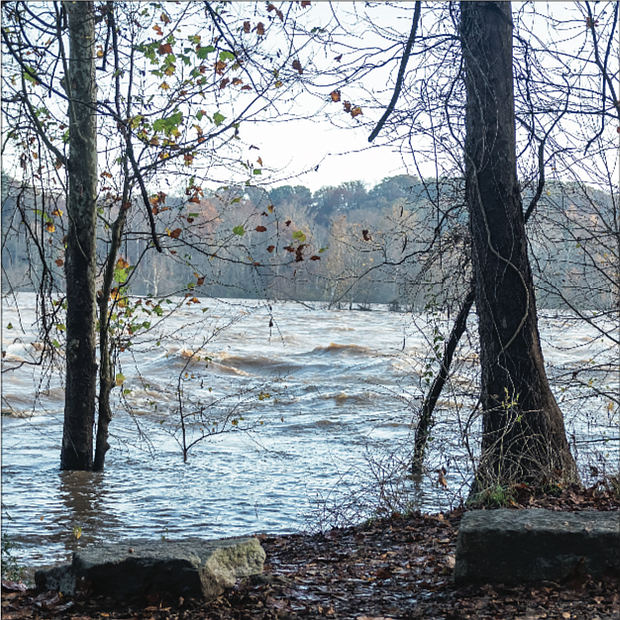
{"points": [[81, 382], [523, 430]]}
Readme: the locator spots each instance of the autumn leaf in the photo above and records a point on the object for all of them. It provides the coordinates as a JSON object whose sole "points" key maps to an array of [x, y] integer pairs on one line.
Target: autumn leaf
{"points": [[365, 235], [50, 227], [347, 106], [288, 248], [246, 27], [260, 229], [288, 222], [356, 111], [59, 262], [246, 87], [219, 67], [260, 29], [158, 30], [297, 66], [270, 208], [164, 18], [57, 212], [271, 248], [121, 263], [305, 3], [315, 257], [200, 281], [176, 233], [338, 58], [164, 86], [164, 48], [335, 95], [236, 81], [224, 83], [194, 199], [260, 161]]}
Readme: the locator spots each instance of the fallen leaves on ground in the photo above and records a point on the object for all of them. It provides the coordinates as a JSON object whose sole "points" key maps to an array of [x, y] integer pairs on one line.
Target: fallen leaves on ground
{"points": [[387, 569]]}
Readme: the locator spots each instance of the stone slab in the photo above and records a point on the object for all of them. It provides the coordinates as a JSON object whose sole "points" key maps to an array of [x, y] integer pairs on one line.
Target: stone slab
{"points": [[518, 546], [192, 568]]}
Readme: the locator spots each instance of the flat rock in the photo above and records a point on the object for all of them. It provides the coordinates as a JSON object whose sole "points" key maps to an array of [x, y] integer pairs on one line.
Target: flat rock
{"points": [[517, 546], [193, 568]]}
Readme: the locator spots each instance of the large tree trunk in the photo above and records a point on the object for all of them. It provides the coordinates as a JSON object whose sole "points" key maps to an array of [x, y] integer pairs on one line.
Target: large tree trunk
{"points": [[523, 429], [81, 383]]}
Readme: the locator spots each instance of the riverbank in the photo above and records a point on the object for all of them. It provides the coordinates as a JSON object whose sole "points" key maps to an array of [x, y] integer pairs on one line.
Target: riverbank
{"points": [[398, 568]]}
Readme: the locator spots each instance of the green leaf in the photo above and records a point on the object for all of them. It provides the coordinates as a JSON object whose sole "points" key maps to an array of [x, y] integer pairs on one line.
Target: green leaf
{"points": [[168, 123], [203, 52], [218, 119], [239, 230], [9, 326], [226, 56], [299, 235], [257, 171]]}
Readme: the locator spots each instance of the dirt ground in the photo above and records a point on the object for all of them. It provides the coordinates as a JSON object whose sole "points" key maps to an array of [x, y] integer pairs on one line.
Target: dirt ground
{"points": [[398, 568]]}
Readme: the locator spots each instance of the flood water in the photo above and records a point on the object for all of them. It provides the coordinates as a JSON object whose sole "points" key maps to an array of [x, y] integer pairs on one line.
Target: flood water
{"points": [[316, 405]]}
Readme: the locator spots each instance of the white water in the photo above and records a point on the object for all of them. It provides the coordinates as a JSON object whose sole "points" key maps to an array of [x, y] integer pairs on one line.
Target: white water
{"points": [[323, 392]]}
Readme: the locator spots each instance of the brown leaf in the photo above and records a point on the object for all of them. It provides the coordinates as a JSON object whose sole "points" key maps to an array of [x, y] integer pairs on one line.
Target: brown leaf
{"points": [[246, 87], [288, 222], [347, 106], [288, 248], [305, 3], [176, 233], [246, 27], [297, 66], [315, 257], [260, 29], [219, 67], [260, 229], [365, 235], [271, 248], [236, 81], [335, 95], [338, 58], [224, 83], [59, 262], [164, 48], [356, 111]]}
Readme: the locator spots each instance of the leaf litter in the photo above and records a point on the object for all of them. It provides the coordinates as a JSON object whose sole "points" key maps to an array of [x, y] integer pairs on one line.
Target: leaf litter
{"points": [[386, 569]]}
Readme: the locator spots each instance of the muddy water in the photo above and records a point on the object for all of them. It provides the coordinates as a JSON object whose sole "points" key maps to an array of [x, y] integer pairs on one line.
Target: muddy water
{"points": [[314, 405]]}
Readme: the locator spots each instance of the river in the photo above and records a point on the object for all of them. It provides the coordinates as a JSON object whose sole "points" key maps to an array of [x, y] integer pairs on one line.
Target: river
{"points": [[299, 412]]}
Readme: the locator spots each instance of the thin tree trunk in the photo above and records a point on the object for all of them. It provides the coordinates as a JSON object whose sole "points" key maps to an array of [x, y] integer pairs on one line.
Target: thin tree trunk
{"points": [[523, 429], [425, 423], [81, 390]]}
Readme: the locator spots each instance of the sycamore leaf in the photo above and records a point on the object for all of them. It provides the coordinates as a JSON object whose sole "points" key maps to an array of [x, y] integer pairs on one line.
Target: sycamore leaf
{"points": [[335, 95], [218, 119], [239, 230], [203, 52], [299, 235], [356, 111], [176, 233], [164, 48]]}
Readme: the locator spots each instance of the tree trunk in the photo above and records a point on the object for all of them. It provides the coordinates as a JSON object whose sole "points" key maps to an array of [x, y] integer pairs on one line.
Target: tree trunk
{"points": [[523, 430], [81, 383]]}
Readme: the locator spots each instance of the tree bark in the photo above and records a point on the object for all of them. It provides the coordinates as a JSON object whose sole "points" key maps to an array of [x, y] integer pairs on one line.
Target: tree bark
{"points": [[523, 429], [81, 371]]}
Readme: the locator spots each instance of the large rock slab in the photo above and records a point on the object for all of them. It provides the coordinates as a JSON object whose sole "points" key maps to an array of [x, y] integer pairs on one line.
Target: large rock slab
{"points": [[516, 546], [190, 568]]}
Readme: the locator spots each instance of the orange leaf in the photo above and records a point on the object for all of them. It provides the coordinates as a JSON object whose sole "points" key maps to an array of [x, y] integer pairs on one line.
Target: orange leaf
{"points": [[57, 212], [260, 229], [50, 227], [121, 263], [335, 95], [219, 67], [260, 161], [194, 199], [356, 111], [237, 81]]}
